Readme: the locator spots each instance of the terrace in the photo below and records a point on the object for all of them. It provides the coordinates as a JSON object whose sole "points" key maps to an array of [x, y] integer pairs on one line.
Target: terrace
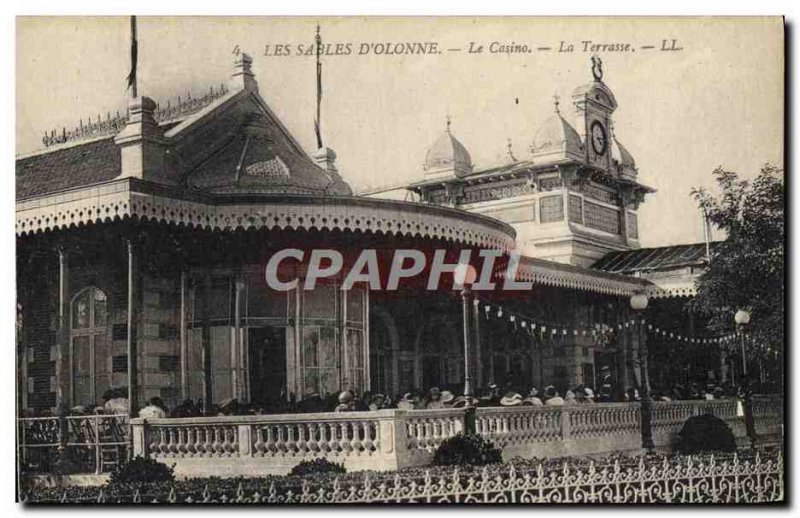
{"points": [[379, 440]]}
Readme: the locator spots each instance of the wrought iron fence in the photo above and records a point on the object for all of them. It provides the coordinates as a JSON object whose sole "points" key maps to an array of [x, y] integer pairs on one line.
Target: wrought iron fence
{"points": [[708, 479], [83, 444]]}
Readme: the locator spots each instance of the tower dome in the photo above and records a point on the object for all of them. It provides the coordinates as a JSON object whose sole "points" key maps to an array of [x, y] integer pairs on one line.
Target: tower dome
{"points": [[621, 155], [556, 139], [622, 158], [447, 157]]}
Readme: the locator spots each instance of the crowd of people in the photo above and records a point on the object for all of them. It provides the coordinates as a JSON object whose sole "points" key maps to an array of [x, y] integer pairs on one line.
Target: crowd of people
{"points": [[115, 400]]}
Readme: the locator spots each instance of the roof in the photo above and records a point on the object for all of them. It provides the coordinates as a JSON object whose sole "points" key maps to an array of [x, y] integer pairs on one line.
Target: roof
{"points": [[447, 152], [653, 259], [557, 135], [75, 166]]}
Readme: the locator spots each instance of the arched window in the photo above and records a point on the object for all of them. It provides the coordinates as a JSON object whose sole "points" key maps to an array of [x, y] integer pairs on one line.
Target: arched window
{"points": [[89, 346]]}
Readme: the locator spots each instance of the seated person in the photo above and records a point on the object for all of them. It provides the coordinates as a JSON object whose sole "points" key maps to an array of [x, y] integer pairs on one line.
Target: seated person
{"points": [[447, 398], [511, 398], [551, 397], [346, 402], [407, 402], [434, 399], [153, 410]]}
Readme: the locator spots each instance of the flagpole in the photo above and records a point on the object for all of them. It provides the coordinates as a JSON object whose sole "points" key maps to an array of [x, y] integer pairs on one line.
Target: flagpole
{"points": [[134, 59], [318, 120]]}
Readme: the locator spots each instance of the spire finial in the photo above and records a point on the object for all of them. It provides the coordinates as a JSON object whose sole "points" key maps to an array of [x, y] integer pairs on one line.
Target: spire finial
{"points": [[556, 99], [597, 68], [449, 121]]}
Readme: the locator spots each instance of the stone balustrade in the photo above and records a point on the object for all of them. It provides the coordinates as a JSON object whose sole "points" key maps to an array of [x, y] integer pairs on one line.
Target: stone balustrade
{"points": [[391, 439]]}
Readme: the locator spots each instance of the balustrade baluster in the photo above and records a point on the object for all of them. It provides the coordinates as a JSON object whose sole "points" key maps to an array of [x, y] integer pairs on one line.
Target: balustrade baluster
{"points": [[291, 441], [280, 443], [355, 443], [258, 440], [172, 444], [335, 444], [368, 442], [271, 446]]}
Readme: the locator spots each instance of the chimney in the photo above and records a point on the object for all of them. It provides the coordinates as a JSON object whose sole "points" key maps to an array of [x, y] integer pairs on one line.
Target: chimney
{"points": [[326, 159], [142, 143], [243, 78]]}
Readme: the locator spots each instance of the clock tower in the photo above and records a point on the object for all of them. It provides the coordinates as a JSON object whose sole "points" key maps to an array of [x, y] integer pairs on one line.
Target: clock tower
{"points": [[594, 104]]}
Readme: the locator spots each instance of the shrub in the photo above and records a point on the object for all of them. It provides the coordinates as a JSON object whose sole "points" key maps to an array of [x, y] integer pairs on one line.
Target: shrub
{"points": [[463, 449], [705, 433], [315, 467], [141, 470]]}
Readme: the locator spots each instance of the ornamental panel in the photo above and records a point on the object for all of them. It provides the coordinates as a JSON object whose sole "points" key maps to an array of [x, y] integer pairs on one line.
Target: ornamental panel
{"points": [[601, 218], [551, 208]]}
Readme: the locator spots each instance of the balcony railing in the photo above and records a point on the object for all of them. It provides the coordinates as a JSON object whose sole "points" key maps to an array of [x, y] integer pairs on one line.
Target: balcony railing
{"points": [[378, 440]]}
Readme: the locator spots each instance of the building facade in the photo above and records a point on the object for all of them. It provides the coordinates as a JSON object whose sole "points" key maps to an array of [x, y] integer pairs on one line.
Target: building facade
{"points": [[142, 241]]}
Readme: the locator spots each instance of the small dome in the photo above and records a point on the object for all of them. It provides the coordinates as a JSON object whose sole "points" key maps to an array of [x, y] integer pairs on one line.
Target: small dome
{"points": [[448, 154], [621, 155], [556, 135]]}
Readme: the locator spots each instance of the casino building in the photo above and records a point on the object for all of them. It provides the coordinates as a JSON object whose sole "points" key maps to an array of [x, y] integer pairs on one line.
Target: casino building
{"points": [[142, 239]]}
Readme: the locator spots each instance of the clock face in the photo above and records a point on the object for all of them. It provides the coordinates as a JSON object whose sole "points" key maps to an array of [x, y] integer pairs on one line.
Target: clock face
{"points": [[599, 141]]}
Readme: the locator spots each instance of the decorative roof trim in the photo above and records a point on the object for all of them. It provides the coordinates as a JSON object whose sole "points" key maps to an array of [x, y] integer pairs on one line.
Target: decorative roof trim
{"points": [[130, 198], [549, 273], [672, 288]]}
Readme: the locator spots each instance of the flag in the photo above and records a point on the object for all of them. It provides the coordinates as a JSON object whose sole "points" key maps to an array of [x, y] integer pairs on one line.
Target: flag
{"points": [[134, 58]]}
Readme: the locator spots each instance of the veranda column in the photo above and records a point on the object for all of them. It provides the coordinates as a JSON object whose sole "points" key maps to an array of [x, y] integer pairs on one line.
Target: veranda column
{"points": [[207, 388], [466, 297], [62, 352], [626, 355], [237, 360], [184, 337], [133, 370], [478, 357]]}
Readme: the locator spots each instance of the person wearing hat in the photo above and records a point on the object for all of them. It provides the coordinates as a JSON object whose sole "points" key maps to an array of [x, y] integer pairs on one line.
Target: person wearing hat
{"points": [[406, 402], [447, 398], [153, 410], [588, 395], [551, 397], [463, 402], [377, 402], [533, 398], [346, 402], [434, 399], [494, 395], [606, 385], [511, 399], [570, 398]]}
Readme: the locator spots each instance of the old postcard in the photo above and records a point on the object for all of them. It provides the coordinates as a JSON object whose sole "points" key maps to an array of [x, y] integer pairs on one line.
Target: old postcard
{"points": [[461, 260]]}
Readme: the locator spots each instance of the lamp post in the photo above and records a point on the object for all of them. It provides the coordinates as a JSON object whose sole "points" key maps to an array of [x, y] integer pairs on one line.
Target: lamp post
{"points": [[639, 304], [742, 318], [465, 275]]}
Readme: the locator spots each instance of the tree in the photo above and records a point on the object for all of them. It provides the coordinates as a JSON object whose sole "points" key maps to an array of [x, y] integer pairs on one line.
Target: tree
{"points": [[747, 268]]}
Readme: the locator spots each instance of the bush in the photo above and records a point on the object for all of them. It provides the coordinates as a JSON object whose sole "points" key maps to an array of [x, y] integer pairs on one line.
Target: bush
{"points": [[315, 467], [141, 470], [463, 449], [705, 433]]}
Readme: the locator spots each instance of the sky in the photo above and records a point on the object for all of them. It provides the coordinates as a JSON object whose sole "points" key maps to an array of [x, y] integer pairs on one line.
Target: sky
{"points": [[716, 102]]}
